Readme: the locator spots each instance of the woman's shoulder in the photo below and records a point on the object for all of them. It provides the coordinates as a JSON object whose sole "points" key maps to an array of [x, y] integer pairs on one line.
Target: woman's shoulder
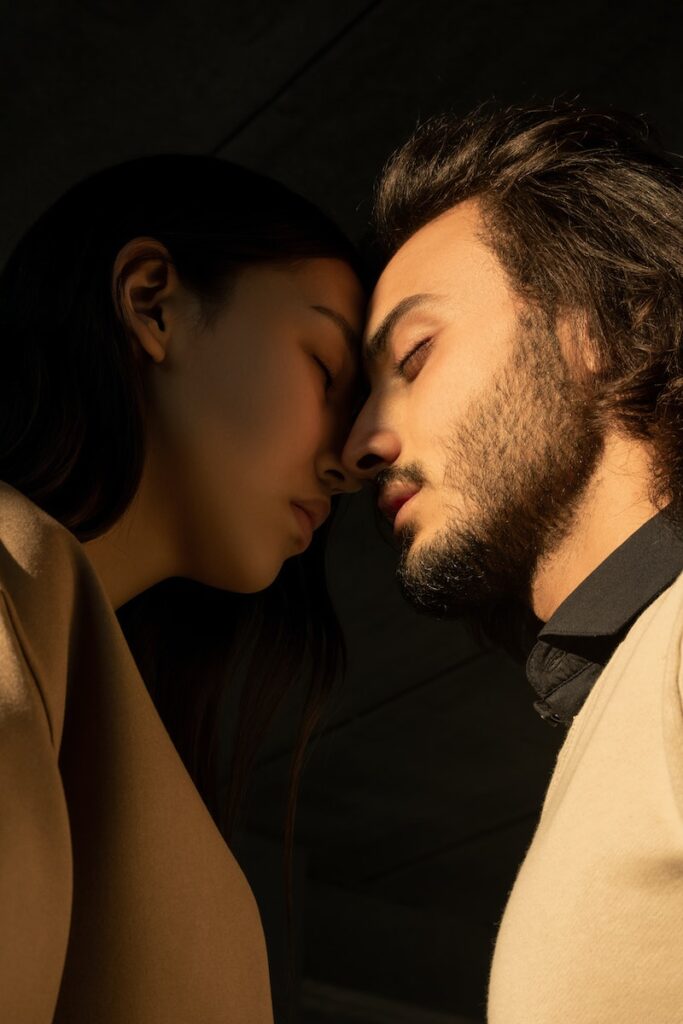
{"points": [[28, 535], [39, 558], [45, 577]]}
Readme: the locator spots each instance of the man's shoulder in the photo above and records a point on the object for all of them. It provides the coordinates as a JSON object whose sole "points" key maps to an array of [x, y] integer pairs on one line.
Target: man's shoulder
{"points": [[669, 603], [659, 629]]}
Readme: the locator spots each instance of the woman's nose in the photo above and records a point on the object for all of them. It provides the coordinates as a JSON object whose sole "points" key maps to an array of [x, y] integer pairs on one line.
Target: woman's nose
{"points": [[341, 481]]}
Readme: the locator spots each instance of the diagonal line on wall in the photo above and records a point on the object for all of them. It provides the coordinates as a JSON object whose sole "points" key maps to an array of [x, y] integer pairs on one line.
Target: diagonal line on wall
{"points": [[327, 729], [314, 59], [496, 828]]}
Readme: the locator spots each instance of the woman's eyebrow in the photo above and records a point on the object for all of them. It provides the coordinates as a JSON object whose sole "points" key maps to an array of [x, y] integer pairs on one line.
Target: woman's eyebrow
{"points": [[351, 337]]}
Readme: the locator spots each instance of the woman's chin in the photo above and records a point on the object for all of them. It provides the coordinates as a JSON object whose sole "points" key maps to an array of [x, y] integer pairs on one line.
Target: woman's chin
{"points": [[245, 580]]}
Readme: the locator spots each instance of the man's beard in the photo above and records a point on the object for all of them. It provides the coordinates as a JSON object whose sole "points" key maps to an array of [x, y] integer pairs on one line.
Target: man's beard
{"points": [[520, 459]]}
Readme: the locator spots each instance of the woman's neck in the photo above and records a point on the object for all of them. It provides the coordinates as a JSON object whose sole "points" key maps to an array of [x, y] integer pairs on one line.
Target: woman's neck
{"points": [[137, 551]]}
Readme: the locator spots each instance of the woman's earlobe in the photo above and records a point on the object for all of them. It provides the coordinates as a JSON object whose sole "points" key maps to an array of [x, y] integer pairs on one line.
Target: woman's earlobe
{"points": [[144, 279], [151, 339]]}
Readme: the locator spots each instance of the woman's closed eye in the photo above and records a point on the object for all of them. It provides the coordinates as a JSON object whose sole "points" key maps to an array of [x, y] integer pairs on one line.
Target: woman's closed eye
{"points": [[327, 373]]}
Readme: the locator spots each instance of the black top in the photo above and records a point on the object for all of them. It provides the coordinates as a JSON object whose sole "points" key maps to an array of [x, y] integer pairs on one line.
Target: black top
{"points": [[579, 639]]}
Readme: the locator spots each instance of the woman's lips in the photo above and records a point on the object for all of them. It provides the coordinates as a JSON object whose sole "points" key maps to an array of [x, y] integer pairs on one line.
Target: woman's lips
{"points": [[304, 519]]}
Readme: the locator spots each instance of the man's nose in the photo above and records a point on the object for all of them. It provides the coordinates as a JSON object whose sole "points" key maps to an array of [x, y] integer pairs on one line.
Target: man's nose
{"points": [[367, 451]]}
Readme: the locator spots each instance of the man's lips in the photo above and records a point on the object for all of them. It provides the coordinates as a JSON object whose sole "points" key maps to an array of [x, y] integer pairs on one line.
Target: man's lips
{"points": [[393, 498]]}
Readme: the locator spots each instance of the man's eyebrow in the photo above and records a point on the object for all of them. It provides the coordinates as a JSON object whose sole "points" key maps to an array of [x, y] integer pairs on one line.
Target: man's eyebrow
{"points": [[377, 344], [351, 337]]}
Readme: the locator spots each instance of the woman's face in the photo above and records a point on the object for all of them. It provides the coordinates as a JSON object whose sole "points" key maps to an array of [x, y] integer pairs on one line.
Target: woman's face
{"points": [[248, 417]]}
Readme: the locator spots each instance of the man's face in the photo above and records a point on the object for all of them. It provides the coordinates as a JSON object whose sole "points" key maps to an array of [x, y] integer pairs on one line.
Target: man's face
{"points": [[485, 423]]}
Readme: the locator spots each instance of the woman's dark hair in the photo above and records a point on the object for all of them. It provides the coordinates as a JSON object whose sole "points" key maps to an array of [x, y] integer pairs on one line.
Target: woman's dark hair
{"points": [[72, 438], [584, 210]]}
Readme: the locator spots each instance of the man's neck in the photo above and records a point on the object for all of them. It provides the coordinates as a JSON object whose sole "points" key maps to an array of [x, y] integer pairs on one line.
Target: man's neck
{"points": [[614, 506]]}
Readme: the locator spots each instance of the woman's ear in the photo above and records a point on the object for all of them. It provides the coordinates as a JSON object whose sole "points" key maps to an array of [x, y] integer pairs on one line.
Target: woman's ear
{"points": [[144, 285]]}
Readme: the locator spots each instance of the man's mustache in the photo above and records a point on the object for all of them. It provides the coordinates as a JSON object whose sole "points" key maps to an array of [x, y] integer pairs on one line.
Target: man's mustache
{"points": [[392, 476]]}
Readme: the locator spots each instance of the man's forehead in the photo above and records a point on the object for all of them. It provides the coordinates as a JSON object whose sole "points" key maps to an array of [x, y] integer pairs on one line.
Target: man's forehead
{"points": [[423, 263]]}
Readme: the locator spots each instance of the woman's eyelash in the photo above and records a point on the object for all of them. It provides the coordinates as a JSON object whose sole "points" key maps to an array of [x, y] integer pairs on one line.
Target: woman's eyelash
{"points": [[329, 379], [400, 366]]}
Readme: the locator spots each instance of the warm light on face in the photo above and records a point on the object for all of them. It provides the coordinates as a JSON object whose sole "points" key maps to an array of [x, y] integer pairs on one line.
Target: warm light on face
{"points": [[254, 417], [471, 399], [439, 325]]}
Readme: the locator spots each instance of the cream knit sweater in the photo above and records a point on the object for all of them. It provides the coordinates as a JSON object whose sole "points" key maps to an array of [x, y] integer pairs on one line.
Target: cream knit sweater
{"points": [[593, 930]]}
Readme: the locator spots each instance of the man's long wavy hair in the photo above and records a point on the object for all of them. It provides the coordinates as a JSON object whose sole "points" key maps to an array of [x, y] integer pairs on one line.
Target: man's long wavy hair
{"points": [[584, 210], [72, 439]]}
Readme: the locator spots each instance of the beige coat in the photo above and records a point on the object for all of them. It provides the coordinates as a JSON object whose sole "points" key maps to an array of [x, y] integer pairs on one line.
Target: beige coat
{"points": [[593, 930], [120, 902]]}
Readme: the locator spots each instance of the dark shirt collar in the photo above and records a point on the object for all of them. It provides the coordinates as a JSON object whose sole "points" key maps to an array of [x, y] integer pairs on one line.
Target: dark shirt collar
{"points": [[579, 639]]}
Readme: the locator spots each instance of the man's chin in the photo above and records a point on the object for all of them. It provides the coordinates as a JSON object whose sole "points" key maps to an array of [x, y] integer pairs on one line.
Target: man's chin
{"points": [[433, 583], [428, 602], [449, 577], [414, 536]]}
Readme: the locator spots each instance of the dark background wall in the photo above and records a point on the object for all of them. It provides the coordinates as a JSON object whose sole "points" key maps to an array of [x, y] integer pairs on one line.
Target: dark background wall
{"points": [[423, 789]]}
